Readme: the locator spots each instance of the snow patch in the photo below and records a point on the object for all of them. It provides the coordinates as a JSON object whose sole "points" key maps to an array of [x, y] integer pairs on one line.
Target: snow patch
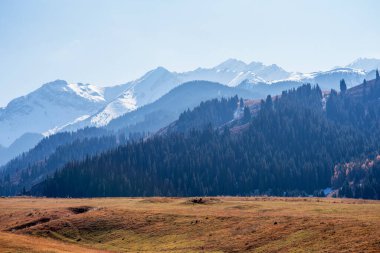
{"points": [[59, 128], [123, 104], [89, 92]]}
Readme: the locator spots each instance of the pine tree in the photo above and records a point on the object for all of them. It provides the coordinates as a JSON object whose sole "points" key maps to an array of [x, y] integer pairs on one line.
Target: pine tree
{"points": [[247, 114], [269, 102], [343, 86], [377, 75], [241, 103]]}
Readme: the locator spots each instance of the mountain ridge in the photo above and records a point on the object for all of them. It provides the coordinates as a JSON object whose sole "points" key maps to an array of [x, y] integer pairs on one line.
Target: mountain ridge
{"points": [[62, 106]]}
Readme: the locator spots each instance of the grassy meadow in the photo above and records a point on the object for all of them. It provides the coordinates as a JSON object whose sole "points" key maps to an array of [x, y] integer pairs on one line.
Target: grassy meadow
{"points": [[221, 224]]}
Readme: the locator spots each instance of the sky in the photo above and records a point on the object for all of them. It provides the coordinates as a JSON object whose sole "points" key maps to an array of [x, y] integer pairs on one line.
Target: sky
{"points": [[112, 42]]}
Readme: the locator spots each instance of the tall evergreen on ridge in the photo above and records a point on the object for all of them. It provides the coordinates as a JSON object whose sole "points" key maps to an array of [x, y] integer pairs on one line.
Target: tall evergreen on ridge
{"points": [[343, 86], [246, 115]]}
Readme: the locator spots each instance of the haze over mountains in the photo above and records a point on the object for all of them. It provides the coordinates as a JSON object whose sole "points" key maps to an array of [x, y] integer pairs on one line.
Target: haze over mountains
{"points": [[61, 106]]}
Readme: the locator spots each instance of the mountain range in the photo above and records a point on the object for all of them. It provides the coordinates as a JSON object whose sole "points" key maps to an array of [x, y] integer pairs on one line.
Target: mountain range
{"points": [[302, 142], [141, 104]]}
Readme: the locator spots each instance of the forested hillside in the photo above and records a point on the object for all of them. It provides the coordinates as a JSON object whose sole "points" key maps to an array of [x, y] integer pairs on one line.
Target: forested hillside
{"points": [[215, 112], [290, 147], [359, 179], [54, 152]]}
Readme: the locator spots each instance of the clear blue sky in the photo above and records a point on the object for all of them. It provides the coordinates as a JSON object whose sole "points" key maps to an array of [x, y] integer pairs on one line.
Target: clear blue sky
{"points": [[111, 42]]}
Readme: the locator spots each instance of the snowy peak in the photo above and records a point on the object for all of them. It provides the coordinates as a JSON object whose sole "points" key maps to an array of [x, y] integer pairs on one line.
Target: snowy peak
{"points": [[366, 64], [153, 78], [345, 70], [255, 66], [57, 84], [231, 65], [266, 73], [153, 85], [59, 104], [51, 106], [159, 71], [140, 92], [272, 72], [60, 89], [231, 71]]}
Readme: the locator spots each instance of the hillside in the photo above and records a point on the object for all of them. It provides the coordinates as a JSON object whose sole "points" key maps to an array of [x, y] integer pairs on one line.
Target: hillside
{"points": [[23, 144], [221, 224], [337, 113], [289, 148], [49, 154], [55, 151], [165, 110]]}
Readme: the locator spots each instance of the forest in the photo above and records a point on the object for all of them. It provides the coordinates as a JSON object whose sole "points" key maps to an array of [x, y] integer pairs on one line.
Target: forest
{"points": [[290, 147]]}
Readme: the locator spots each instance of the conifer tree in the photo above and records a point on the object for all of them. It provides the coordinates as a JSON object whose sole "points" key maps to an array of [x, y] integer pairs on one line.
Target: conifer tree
{"points": [[343, 86], [269, 102], [247, 114]]}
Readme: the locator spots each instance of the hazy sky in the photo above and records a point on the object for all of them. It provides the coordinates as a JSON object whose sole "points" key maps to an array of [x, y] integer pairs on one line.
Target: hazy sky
{"points": [[112, 42]]}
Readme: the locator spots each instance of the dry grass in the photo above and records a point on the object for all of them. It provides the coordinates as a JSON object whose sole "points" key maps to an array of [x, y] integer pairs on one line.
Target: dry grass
{"points": [[178, 225]]}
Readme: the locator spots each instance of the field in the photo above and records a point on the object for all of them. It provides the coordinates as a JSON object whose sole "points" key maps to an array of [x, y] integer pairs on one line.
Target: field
{"points": [[225, 224]]}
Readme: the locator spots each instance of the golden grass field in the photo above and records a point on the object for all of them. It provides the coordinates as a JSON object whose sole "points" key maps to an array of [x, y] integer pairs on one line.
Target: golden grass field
{"points": [[226, 224]]}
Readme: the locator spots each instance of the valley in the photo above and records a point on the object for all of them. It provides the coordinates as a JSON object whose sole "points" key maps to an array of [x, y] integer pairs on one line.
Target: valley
{"points": [[189, 126], [219, 224]]}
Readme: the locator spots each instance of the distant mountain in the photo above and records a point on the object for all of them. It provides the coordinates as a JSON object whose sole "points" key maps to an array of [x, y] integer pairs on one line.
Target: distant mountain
{"points": [[264, 89], [51, 153], [59, 106], [288, 148], [140, 92], [366, 64], [20, 145], [165, 110], [231, 70], [330, 79], [160, 81], [45, 159], [60, 148], [51, 106]]}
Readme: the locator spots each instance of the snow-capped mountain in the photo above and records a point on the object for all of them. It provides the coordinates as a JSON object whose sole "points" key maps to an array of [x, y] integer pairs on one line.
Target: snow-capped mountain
{"points": [[232, 71], [160, 81], [140, 92], [52, 105], [366, 64], [269, 73], [330, 79], [60, 106]]}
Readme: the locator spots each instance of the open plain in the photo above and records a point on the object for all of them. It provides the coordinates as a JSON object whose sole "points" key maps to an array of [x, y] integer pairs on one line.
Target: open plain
{"points": [[220, 224]]}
